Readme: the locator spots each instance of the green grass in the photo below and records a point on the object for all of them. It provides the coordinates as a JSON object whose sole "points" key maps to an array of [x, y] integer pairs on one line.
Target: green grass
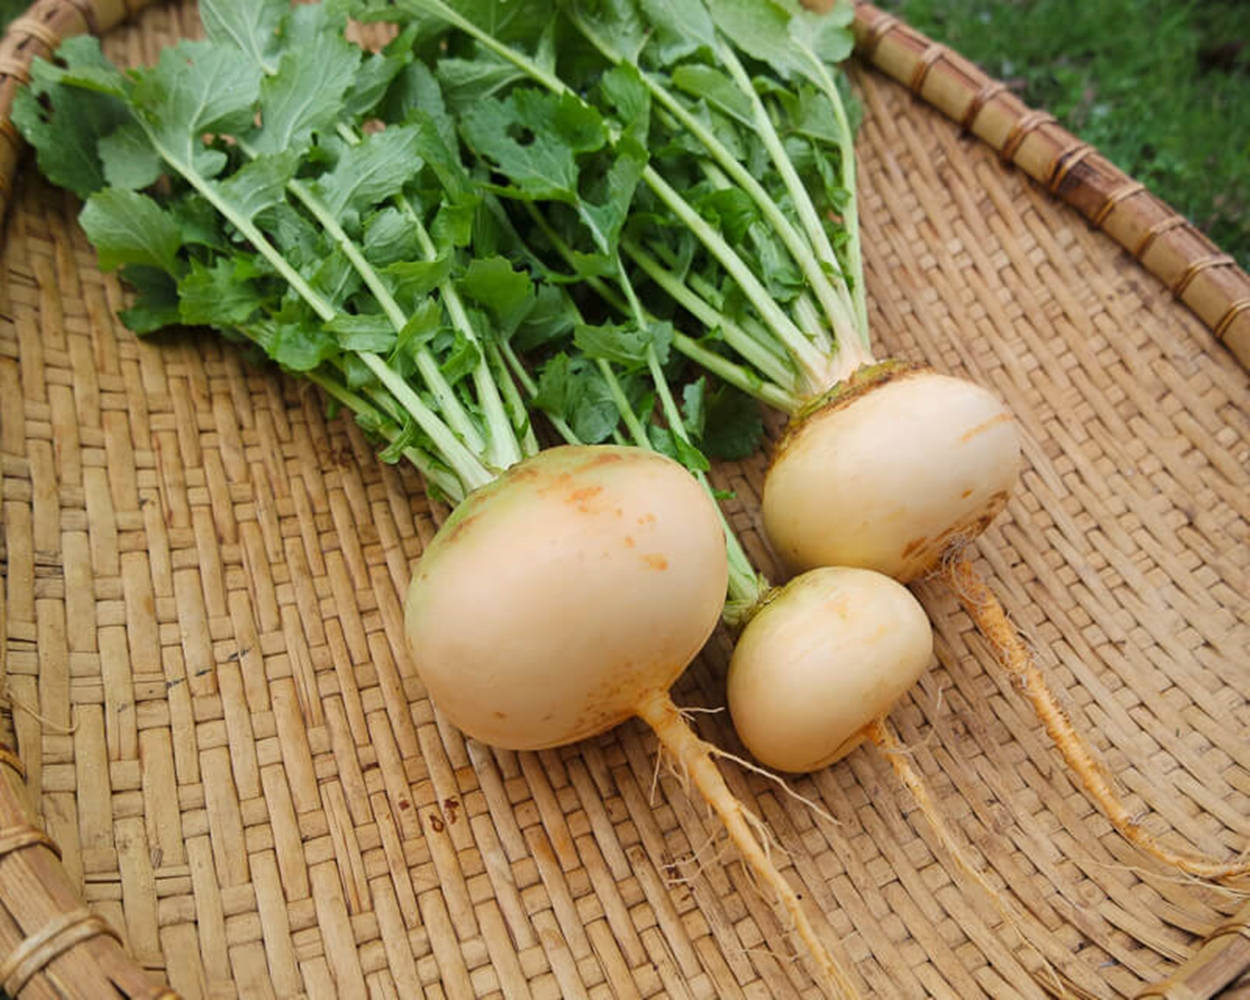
{"points": [[1160, 87]]}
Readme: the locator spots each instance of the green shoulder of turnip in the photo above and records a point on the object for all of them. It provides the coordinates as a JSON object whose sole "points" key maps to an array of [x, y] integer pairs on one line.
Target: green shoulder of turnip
{"points": [[743, 233]]}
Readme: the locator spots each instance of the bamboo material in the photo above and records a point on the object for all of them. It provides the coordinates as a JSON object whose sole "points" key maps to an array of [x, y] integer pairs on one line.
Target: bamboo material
{"points": [[1222, 959], [204, 670], [1168, 246]]}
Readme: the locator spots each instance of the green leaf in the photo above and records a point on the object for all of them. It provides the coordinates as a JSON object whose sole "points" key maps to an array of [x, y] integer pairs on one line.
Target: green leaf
{"points": [[684, 20], [335, 277], [624, 344], [372, 171], [259, 184], [605, 218], [128, 158], [249, 25], [467, 81], [412, 280], [731, 209], [297, 347], [551, 318], [213, 295], [461, 359], [363, 332], [416, 90], [196, 88], [614, 26], [573, 390], [423, 323], [676, 447], [532, 137], [155, 305], [733, 427], [717, 89], [130, 228], [306, 94], [491, 282], [694, 406], [66, 132], [389, 236], [376, 73]]}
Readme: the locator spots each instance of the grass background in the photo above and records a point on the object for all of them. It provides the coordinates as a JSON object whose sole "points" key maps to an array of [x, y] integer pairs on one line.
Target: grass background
{"points": [[1160, 87]]}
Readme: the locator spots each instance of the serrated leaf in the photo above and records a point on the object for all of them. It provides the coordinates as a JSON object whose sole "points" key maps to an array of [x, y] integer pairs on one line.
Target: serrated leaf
{"points": [[574, 391], [461, 359], [130, 228], [412, 280], [66, 132], [665, 441], [296, 347], [467, 81], [155, 305], [491, 282], [731, 209], [372, 171], [423, 323], [551, 318], [249, 25], [414, 90], [532, 137], [694, 406], [307, 92], [258, 184], [377, 72], [212, 295], [717, 89], [684, 20], [605, 218], [363, 332], [616, 27], [196, 88], [389, 236], [624, 344]]}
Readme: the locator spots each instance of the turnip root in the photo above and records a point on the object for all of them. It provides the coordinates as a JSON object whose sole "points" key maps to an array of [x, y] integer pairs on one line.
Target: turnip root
{"points": [[890, 472], [821, 662], [566, 597]]}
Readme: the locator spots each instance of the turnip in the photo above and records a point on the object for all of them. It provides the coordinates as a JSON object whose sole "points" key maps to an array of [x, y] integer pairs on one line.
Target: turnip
{"points": [[743, 234], [566, 597]]}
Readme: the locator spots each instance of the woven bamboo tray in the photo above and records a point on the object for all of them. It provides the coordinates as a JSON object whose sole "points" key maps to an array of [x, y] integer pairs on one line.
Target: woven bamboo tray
{"points": [[210, 718]]}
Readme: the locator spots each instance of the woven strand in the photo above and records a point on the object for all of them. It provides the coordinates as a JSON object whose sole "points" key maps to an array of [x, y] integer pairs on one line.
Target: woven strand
{"points": [[1164, 225], [1064, 163], [7, 756], [16, 838], [1167, 990], [18, 69], [1196, 267], [1021, 130], [1122, 193], [980, 99], [934, 54], [28, 26], [877, 32], [57, 937], [1226, 321]]}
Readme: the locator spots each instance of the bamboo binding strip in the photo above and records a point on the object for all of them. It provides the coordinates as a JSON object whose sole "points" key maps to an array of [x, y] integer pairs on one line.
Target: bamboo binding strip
{"points": [[340, 840], [1168, 245]]}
